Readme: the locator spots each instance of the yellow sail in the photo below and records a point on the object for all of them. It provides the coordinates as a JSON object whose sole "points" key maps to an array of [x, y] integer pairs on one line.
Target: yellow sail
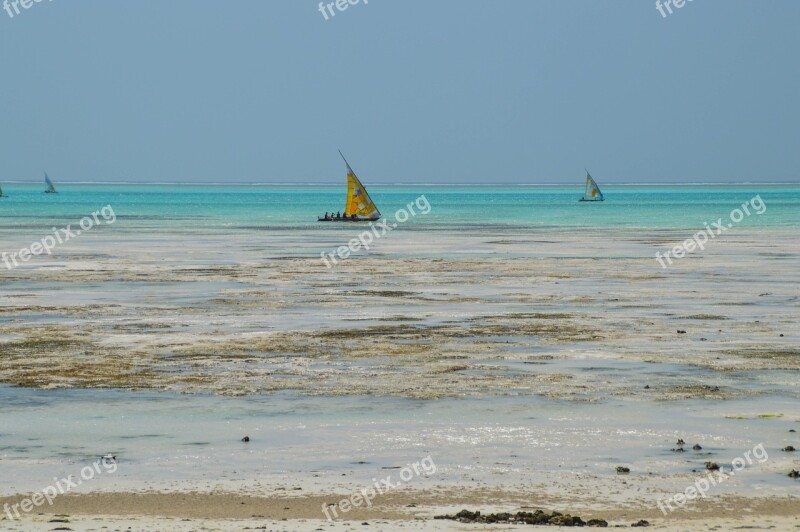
{"points": [[358, 200]]}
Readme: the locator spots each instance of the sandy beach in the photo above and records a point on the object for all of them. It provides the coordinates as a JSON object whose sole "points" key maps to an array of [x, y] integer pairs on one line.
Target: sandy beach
{"points": [[408, 511]]}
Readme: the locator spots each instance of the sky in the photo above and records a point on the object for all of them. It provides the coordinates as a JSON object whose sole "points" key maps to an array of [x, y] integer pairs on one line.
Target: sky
{"points": [[412, 91]]}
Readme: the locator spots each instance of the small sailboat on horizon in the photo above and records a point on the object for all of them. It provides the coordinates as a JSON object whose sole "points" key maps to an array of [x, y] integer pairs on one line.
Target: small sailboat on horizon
{"points": [[592, 192], [359, 207], [49, 188], [1, 193]]}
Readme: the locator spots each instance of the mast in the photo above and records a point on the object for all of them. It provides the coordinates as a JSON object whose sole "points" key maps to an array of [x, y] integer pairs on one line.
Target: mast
{"points": [[349, 169]]}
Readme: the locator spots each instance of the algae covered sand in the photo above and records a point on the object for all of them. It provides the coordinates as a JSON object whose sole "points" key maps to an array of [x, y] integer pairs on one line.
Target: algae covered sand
{"points": [[516, 318]]}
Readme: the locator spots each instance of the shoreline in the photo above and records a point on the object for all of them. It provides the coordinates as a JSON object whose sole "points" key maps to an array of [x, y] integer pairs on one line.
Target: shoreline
{"points": [[409, 507]]}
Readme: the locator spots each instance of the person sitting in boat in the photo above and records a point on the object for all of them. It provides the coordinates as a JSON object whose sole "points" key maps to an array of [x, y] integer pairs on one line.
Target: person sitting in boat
{"points": [[326, 216], [353, 216], [338, 215]]}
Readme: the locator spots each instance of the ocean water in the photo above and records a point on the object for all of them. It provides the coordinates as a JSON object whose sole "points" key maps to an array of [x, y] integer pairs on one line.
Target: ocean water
{"points": [[282, 208]]}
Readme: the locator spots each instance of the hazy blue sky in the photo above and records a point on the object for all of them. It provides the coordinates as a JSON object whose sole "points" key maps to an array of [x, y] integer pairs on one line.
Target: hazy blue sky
{"points": [[414, 91]]}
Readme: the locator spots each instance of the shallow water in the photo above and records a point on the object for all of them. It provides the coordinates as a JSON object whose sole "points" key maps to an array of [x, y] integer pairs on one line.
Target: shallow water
{"points": [[167, 441]]}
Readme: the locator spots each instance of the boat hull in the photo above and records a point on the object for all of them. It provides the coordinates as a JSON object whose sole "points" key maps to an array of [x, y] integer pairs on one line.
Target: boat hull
{"points": [[347, 220]]}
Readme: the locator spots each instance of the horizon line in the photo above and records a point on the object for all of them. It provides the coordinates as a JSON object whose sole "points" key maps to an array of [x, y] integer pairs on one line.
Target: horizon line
{"points": [[396, 184]]}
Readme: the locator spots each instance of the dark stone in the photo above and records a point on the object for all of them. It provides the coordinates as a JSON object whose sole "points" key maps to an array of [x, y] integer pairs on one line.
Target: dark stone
{"points": [[697, 447], [641, 523], [794, 473], [536, 518], [466, 514], [623, 469], [680, 331], [789, 449], [712, 466], [246, 439], [680, 442]]}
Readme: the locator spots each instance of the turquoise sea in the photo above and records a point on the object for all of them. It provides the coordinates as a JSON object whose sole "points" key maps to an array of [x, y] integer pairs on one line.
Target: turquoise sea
{"points": [[281, 207]]}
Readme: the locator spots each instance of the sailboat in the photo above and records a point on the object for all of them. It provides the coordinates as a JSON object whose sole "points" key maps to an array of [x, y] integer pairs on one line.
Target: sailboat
{"points": [[1, 193], [592, 192], [49, 188], [359, 207]]}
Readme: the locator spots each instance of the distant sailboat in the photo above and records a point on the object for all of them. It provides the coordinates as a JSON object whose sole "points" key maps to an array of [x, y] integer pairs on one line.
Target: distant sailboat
{"points": [[1, 193], [592, 192], [359, 207], [49, 188]]}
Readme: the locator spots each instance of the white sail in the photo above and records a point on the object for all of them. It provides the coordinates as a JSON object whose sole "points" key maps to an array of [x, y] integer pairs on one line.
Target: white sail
{"points": [[50, 189], [592, 192]]}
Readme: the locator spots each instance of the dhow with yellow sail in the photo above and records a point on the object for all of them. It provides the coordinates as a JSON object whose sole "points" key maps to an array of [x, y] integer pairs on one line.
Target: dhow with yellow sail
{"points": [[359, 207], [592, 192]]}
